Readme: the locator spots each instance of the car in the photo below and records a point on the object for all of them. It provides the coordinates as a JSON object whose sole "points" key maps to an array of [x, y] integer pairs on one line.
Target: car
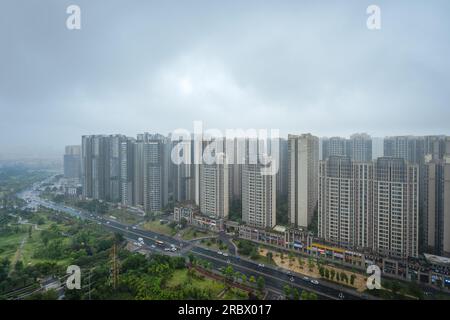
{"points": [[225, 254], [173, 249], [306, 278], [107, 222], [153, 246], [314, 282], [292, 279], [288, 273], [140, 239], [228, 261], [134, 228], [341, 296], [261, 265], [219, 252], [166, 249]]}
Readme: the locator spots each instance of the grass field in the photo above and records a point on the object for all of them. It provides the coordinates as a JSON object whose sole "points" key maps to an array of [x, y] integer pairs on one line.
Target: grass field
{"points": [[158, 227], [191, 233], [180, 278], [125, 216]]}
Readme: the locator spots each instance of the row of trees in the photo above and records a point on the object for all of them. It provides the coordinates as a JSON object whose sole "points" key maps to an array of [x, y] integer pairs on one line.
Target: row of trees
{"points": [[333, 275]]}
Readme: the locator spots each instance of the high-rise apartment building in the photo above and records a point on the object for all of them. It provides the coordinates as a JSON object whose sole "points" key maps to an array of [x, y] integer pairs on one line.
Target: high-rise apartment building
{"points": [[72, 162], [357, 148], [258, 185], [396, 208], [360, 147], [437, 206], [345, 198], [101, 167], [156, 157], [334, 146], [409, 148], [214, 180], [303, 157], [127, 171], [370, 205]]}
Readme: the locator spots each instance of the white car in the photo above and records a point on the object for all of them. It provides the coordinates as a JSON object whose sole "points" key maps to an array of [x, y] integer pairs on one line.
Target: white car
{"points": [[314, 282], [306, 278], [261, 265], [107, 222], [166, 249], [219, 252], [134, 227], [225, 254], [153, 246], [140, 239]]}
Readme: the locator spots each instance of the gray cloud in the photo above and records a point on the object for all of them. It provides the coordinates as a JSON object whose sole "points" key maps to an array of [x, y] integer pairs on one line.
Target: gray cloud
{"points": [[299, 66]]}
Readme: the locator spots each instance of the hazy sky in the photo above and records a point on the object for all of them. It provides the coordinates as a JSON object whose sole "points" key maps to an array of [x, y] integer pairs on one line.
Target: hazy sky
{"points": [[299, 66]]}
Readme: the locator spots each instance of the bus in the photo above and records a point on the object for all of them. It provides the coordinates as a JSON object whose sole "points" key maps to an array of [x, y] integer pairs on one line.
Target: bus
{"points": [[159, 243]]}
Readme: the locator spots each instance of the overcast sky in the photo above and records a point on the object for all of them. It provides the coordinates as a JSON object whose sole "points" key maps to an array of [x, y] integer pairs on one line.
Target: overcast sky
{"points": [[298, 66]]}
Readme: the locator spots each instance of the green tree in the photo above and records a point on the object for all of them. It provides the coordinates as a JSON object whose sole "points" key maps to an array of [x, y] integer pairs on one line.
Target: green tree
{"points": [[295, 294], [310, 264], [261, 283]]}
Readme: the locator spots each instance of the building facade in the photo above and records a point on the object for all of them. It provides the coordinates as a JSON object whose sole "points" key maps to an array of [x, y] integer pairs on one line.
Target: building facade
{"points": [[303, 157]]}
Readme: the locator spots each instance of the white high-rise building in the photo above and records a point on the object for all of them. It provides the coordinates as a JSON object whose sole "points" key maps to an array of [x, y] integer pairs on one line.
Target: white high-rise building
{"points": [[214, 188], [259, 189], [370, 205], [303, 159]]}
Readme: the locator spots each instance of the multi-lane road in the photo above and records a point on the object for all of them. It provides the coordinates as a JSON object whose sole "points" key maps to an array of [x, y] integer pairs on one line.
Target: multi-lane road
{"points": [[275, 278]]}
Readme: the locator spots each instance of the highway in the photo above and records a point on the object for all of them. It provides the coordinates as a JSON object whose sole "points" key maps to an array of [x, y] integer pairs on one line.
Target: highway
{"points": [[275, 278]]}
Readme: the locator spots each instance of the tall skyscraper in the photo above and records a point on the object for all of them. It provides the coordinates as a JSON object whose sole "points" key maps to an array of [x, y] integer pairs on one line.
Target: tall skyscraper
{"points": [[357, 148], [101, 167], [282, 175], [214, 189], [409, 148], [303, 157], [72, 162], [155, 172], [396, 208], [127, 171], [370, 205], [258, 190], [437, 206], [183, 178], [360, 147], [345, 202], [334, 146]]}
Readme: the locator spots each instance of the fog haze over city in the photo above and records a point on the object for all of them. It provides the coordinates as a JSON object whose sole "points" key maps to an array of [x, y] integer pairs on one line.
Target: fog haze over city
{"points": [[156, 66]]}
